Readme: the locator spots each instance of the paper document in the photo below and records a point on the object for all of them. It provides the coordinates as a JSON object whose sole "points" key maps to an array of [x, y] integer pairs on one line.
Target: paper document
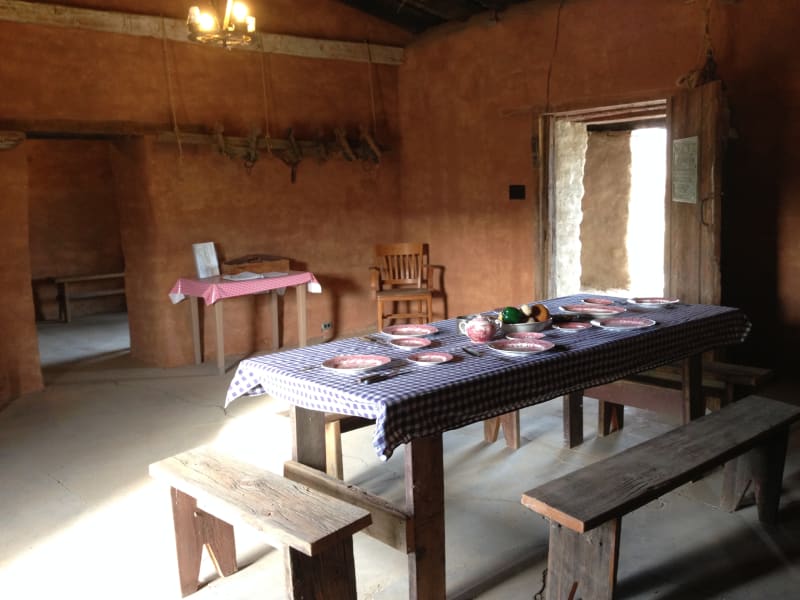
{"points": [[245, 275]]}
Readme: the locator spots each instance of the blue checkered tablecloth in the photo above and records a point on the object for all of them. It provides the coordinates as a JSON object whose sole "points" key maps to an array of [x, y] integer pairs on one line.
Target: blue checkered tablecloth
{"points": [[424, 400]]}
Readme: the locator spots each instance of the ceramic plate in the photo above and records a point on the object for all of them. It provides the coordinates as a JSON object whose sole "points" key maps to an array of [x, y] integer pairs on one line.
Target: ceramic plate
{"points": [[573, 326], [599, 301], [411, 343], [430, 357], [622, 323], [519, 347], [652, 302], [410, 330], [525, 336], [591, 309], [354, 363]]}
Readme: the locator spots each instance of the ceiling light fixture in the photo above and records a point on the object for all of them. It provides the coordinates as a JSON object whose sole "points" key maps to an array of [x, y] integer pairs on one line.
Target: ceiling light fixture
{"points": [[236, 27]]}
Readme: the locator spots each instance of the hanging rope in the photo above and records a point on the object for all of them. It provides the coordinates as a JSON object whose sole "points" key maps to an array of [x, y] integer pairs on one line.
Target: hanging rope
{"points": [[371, 91], [264, 102], [553, 56], [175, 128], [708, 71], [709, 47]]}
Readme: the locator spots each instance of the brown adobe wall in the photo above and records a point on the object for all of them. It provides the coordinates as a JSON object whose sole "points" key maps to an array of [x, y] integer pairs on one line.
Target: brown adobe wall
{"points": [[19, 349], [327, 222], [470, 99], [320, 223]]}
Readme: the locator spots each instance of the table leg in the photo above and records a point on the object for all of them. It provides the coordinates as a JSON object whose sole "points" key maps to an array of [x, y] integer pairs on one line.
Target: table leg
{"points": [[308, 437], [220, 337], [302, 318], [424, 476], [573, 419], [276, 326], [694, 404], [194, 304], [67, 309]]}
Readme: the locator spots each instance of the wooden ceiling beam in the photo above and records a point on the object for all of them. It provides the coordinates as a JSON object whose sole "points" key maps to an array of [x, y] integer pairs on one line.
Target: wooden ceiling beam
{"points": [[399, 13], [54, 15]]}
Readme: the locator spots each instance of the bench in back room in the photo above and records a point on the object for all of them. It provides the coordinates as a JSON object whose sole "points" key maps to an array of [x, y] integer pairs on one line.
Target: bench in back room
{"points": [[585, 507], [67, 292], [212, 492]]}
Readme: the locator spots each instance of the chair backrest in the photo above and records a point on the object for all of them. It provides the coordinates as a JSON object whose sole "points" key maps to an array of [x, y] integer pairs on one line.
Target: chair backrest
{"points": [[402, 264]]}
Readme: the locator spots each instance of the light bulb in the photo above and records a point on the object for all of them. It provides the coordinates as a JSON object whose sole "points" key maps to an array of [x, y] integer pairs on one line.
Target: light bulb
{"points": [[206, 22], [240, 12]]}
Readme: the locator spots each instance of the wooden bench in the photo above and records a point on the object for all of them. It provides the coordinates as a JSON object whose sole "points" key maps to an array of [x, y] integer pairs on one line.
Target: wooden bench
{"points": [[660, 390], [211, 493], [66, 292], [657, 389], [585, 507]]}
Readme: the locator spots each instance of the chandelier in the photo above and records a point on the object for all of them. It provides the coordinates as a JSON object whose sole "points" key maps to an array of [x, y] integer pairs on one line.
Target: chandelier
{"points": [[234, 29]]}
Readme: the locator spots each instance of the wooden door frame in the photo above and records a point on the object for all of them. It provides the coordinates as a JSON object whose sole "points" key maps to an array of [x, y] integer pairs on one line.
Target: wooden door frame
{"points": [[544, 280]]}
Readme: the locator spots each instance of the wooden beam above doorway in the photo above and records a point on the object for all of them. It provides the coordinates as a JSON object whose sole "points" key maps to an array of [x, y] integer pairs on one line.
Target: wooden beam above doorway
{"points": [[55, 15]]}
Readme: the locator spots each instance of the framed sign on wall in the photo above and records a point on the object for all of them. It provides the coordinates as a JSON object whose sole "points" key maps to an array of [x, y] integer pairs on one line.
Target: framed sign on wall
{"points": [[684, 170]]}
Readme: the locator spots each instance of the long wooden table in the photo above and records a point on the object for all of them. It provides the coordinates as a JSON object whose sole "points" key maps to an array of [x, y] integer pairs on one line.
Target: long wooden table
{"points": [[416, 407], [216, 288]]}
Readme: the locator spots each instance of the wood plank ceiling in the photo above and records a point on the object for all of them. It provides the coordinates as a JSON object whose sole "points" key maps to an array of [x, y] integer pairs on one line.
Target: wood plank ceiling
{"points": [[418, 15]]}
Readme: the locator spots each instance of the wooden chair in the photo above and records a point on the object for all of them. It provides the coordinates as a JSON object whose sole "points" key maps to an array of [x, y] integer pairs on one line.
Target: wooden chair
{"points": [[400, 277]]}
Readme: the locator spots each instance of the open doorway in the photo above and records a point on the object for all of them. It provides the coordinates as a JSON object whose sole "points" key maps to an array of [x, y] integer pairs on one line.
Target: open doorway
{"points": [[74, 232], [606, 204]]}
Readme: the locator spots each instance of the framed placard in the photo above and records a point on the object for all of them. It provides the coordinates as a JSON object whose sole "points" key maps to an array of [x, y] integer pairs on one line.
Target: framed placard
{"points": [[205, 259], [684, 170]]}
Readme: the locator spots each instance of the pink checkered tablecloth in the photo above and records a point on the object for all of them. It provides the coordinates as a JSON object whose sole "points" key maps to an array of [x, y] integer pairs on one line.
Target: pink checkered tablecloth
{"points": [[216, 288]]}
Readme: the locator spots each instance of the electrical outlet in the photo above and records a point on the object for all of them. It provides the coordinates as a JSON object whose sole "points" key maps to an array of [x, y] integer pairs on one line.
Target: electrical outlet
{"points": [[327, 326]]}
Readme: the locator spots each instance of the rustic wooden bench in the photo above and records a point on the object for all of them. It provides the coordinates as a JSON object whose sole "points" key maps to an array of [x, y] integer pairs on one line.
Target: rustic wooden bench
{"points": [[211, 493], [585, 507], [657, 389], [67, 293], [660, 390]]}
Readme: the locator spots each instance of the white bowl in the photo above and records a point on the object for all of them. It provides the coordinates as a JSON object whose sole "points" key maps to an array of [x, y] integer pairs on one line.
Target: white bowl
{"points": [[530, 326]]}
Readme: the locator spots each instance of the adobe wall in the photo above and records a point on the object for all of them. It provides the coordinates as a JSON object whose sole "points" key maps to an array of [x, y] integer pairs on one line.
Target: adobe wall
{"points": [[326, 222], [19, 349], [470, 100], [607, 191]]}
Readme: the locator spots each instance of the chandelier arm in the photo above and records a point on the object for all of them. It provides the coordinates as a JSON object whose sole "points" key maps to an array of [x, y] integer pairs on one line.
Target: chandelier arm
{"points": [[226, 22]]}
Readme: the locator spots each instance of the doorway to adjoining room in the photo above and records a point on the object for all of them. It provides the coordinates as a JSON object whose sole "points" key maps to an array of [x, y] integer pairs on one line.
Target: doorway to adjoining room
{"points": [[607, 206]]}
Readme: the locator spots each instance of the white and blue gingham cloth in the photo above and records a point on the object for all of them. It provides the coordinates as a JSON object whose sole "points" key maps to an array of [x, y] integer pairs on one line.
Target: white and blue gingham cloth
{"points": [[424, 400]]}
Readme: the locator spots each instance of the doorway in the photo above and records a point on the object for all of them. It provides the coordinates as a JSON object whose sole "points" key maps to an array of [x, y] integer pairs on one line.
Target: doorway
{"points": [[605, 182], [74, 230]]}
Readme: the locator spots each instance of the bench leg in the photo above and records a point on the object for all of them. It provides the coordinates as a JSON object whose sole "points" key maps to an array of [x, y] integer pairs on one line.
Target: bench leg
{"points": [[610, 417], [590, 559], [573, 419], [510, 424], [193, 530], [763, 468], [330, 574]]}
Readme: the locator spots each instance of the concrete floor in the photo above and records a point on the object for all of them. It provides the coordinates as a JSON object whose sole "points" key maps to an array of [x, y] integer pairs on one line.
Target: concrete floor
{"points": [[82, 519]]}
